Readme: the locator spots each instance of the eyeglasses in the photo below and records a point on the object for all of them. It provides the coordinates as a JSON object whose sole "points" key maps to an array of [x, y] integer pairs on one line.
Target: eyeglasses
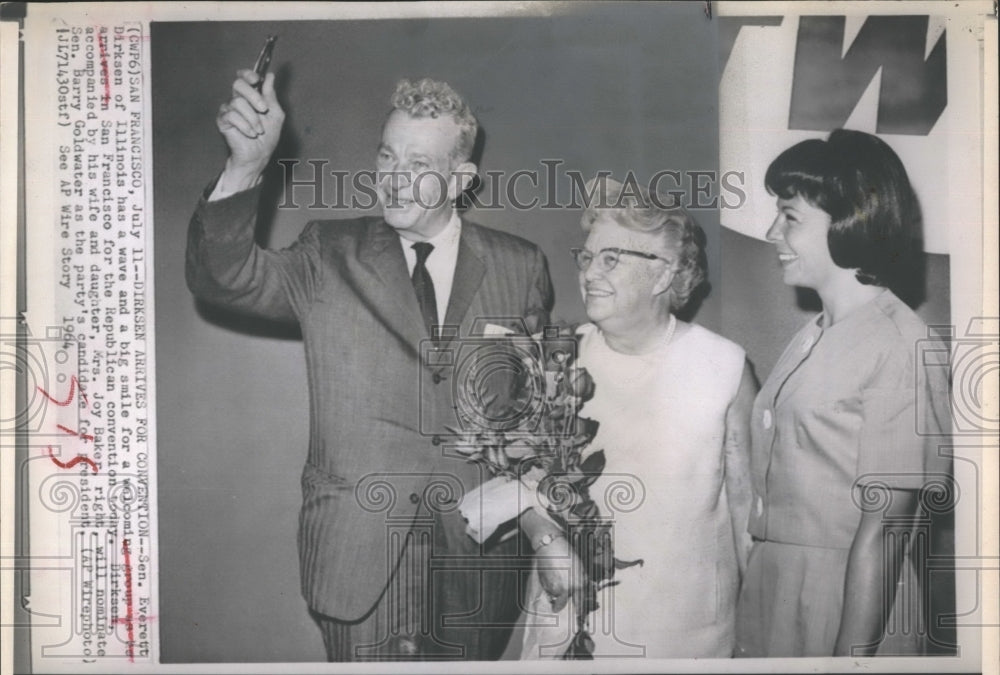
{"points": [[607, 258]]}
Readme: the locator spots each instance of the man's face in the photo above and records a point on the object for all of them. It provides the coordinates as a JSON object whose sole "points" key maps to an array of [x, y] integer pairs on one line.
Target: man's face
{"points": [[416, 184]]}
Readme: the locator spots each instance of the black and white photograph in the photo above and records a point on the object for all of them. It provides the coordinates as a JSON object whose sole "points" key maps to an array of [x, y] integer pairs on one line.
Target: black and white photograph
{"points": [[655, 335]]}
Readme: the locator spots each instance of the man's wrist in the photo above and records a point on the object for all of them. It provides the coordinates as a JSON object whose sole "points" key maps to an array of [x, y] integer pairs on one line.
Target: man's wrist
{"points": [[233, 181]]}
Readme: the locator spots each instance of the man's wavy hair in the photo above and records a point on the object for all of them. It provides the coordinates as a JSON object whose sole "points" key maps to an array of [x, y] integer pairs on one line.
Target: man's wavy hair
{"points": [[433, 98], [876, 225], [633, 209]]}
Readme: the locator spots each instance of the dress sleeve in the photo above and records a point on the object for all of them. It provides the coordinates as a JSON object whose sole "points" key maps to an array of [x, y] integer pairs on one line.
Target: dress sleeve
{"points": [[225, 265], [905, 426]]}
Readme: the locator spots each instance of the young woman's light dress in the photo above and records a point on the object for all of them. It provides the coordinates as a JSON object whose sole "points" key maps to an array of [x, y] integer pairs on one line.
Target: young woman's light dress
{"points": [[841, 407], [662, 428]]}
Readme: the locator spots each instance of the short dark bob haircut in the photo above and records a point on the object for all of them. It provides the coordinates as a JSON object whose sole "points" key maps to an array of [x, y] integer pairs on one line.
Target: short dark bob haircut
{"points": [[876, 226]]}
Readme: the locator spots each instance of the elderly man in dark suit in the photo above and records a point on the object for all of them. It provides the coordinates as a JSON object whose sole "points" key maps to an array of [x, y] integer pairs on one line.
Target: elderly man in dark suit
{"points": [[387, 569]]}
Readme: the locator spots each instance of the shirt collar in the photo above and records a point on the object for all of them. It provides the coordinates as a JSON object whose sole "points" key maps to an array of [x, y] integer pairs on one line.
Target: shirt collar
{"points": [[446, 238], [449, 235]]}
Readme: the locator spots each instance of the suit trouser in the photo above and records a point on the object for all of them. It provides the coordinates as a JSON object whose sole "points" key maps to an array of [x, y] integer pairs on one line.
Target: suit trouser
{"points": [[449, 599]]}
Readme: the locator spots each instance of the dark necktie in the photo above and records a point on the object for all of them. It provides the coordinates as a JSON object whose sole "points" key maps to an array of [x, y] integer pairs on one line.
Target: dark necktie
{"points": [[423, 285]]}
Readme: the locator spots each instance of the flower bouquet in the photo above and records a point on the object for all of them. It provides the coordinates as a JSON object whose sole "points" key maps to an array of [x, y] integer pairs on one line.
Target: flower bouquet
{"points": [[534, 443]]}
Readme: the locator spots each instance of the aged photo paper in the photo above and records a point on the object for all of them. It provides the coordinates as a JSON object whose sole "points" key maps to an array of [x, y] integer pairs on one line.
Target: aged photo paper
{"points": [[153, 442]]}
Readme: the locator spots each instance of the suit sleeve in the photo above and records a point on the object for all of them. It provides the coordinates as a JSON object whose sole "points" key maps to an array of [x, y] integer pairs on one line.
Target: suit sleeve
{"points": [[225, 265], [538, 305]]}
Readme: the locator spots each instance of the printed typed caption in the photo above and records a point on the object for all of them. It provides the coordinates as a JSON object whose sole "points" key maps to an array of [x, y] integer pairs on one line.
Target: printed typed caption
{"points": [[93, 410]]}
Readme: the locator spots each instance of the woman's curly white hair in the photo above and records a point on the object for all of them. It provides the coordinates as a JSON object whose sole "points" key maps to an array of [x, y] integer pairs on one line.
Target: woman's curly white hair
{"points": [[433, 98], [634, 209]]}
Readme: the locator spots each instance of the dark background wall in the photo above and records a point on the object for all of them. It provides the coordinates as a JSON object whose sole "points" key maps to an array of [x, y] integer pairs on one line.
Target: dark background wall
{"points": [[607, 88]]}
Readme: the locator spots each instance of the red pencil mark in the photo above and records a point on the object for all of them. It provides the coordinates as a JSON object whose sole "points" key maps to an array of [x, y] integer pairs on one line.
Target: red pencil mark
{"points": [[86, 437], [129, 622], [104, 69], [73, 462], [73, 383]]}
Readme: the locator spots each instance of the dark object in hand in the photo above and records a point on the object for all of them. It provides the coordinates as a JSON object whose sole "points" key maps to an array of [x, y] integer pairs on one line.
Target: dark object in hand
{"points": [[264, 60]]}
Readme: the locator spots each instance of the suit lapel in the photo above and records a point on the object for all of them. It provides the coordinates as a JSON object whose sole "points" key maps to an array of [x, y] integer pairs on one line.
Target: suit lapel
{"points": [[395, 297], [469, 273]]}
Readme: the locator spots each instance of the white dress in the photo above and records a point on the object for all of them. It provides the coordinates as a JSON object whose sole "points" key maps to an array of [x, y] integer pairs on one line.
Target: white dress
{"points": [[662, 427]]}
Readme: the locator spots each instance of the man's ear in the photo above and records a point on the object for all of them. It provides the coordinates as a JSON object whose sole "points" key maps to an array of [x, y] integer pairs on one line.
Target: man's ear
{"points": [[461, 178]]}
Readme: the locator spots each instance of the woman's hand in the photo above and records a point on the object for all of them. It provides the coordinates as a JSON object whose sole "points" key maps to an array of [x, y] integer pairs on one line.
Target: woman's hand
{"points": [[559, 571]]}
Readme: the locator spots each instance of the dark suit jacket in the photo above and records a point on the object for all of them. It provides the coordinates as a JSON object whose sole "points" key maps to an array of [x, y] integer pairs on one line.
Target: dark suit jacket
{"points": [[377, 413]]}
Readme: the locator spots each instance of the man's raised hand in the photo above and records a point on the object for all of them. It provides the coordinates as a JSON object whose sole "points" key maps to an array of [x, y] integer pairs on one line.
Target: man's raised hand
{"points": [[251, 124]]}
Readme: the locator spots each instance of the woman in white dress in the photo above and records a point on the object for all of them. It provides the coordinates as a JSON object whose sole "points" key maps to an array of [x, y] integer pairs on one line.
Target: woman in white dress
{"points": [[673, 402]]}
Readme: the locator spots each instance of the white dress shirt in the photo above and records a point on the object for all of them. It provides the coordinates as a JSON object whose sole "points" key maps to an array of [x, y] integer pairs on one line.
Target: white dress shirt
{"points": [[440, 263]]}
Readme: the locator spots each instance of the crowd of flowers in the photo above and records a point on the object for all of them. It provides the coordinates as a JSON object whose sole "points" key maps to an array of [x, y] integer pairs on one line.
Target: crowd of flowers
{"points": [[529, 433]]}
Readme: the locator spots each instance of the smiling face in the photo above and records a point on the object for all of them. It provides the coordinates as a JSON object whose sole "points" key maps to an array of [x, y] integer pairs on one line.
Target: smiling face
{"points": [[416, 185], [633, 293], [799, 233]]}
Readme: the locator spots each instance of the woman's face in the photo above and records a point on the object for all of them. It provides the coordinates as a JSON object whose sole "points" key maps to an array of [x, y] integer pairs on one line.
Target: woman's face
{"points": [[799, 234], [633, 292]]}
